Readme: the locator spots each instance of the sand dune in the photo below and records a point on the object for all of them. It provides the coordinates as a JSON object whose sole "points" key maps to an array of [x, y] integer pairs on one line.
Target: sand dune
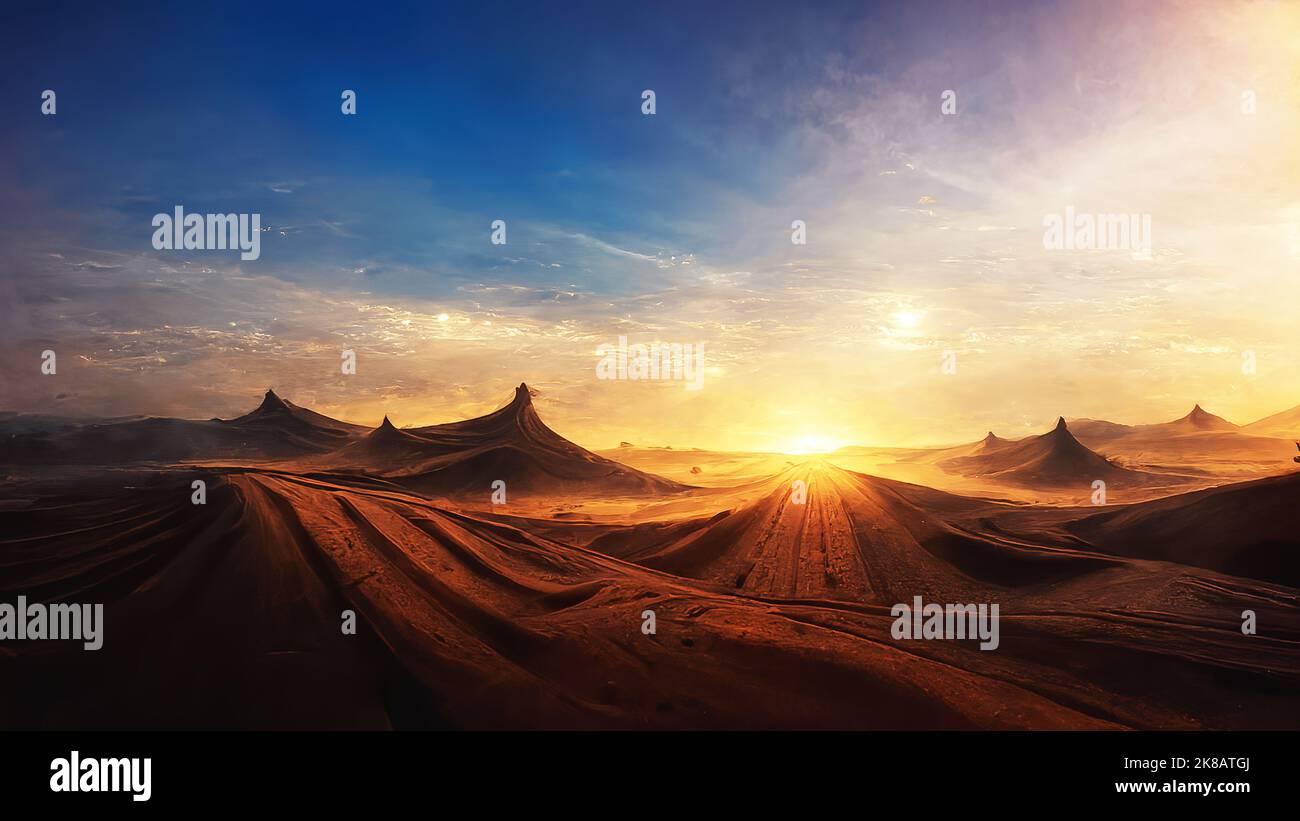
{"points": [[275, 429], [1199, 443], [1195, 451], [1053, 459], [471, 623], [771, 582], [1284, 425], [1250, 529], [511, 444], [1137, 462], [281, 417], [1052, 468], [853, 539], [1198, 419]]}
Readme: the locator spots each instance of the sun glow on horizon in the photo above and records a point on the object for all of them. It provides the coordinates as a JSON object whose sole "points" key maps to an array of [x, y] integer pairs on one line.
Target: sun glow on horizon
{"points": [[925, 308], [811, 444]]}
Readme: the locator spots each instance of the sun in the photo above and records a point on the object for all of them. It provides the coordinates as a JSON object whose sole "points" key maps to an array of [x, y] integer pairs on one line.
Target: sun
{"points": [[906, 319]]}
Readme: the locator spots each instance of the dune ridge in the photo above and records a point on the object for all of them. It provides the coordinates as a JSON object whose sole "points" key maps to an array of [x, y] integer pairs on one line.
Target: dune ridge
{"points": [[771, 588]]}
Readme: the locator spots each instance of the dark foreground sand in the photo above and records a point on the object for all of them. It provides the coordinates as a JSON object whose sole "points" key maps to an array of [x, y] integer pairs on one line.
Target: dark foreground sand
{"points": [[772, 615]]}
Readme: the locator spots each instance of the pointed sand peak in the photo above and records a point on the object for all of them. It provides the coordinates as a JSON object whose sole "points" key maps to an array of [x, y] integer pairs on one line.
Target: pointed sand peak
{"points": [[272, 402], [990, 441], [1202, 419], [386, 432], [522, 404], [1061, 437]]}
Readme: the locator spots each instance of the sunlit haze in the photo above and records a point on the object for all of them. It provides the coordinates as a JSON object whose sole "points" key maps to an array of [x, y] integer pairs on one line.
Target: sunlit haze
{"points": [[925, 231]]}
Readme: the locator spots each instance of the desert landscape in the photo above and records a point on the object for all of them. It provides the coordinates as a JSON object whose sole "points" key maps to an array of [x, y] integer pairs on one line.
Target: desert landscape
{"points": [[771, 577], [889, 365]]}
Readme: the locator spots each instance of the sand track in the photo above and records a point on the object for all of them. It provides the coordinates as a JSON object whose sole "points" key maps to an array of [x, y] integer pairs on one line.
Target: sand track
{"points": [[776, 615]]}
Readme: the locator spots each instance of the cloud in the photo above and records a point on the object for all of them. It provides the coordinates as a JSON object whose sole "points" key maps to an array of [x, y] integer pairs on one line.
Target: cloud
{"points": [[611, 249], [841, 337]]}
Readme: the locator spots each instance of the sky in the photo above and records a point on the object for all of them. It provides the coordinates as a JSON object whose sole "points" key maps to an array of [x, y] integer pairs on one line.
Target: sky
{"points": [[923, 307]]}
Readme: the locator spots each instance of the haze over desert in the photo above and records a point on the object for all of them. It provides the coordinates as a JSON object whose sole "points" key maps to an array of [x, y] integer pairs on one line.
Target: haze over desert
{"points": [[501, 576]]}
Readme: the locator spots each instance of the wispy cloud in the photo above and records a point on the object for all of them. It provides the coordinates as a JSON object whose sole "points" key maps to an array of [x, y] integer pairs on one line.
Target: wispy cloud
{"points": [[924, 236]]}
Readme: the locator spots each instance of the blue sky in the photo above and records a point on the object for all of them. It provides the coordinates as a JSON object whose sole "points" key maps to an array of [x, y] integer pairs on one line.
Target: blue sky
{"points": [[525, 113], [924, 229], [515, 112]]}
